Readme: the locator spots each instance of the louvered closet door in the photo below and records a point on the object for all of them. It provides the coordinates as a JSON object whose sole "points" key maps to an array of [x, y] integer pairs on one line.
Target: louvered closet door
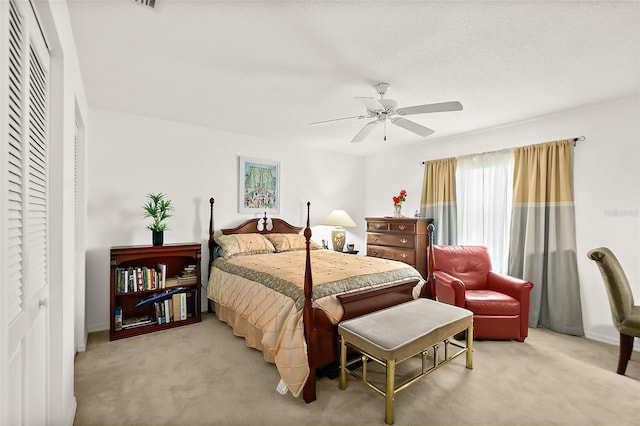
{"points": [[24, 262]]}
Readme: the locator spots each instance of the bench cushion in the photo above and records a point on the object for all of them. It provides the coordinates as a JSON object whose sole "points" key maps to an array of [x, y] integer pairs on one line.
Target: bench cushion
{"points": [[404, 330]]}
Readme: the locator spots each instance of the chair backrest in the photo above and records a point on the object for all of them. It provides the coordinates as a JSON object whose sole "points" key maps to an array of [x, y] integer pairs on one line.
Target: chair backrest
{"points": [[470, 264], [616, 282]]}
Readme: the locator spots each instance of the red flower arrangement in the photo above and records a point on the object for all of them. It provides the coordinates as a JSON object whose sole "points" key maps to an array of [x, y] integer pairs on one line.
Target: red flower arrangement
{"points": [[400, 198]]}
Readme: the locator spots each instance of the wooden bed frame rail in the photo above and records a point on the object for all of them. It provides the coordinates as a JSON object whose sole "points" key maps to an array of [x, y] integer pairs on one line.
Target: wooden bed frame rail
{"points": [[320, 334]]}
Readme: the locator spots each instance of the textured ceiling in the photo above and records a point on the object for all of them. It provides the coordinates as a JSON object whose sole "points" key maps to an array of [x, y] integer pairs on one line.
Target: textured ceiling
{"points": [[267, 69]]}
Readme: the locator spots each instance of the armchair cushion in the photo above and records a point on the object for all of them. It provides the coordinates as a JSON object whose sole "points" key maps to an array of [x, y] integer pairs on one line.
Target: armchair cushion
{"points": [[489, 302]]}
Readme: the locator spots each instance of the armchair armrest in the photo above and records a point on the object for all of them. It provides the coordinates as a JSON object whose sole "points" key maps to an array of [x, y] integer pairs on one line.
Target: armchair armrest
{"points": [[449, 289], [517, 288]]}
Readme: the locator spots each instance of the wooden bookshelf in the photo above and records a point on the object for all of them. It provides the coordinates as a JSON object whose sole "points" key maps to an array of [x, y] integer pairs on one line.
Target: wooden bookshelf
{"points": [[179, 260]]}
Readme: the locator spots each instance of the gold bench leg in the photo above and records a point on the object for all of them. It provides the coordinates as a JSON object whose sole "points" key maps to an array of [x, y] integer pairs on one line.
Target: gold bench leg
{"points": [[388, 396], [343, 364], [470, 346]]}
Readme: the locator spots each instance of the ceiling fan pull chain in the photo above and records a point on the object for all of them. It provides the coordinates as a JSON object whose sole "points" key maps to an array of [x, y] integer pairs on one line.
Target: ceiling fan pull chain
{"points": [[385, 130]]}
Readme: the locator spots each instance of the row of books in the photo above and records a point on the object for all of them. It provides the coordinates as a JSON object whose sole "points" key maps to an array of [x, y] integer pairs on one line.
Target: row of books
{"points": [[174, 306], [173, 309], [142, 278]]}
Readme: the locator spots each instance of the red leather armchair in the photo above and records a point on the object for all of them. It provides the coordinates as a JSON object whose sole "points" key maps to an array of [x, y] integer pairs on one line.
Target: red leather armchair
{"points": [[500, 303]]}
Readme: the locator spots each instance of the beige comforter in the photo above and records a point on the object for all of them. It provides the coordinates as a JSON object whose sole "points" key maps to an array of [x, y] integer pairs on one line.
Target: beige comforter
{"points": [[261, 297]]}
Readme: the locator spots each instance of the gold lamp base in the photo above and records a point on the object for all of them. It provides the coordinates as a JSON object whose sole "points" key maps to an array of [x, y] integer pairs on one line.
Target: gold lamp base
{"points": [[338, 237]]}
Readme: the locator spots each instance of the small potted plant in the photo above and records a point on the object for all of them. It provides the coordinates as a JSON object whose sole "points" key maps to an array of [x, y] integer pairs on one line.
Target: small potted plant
{"points": [[158, 208]]}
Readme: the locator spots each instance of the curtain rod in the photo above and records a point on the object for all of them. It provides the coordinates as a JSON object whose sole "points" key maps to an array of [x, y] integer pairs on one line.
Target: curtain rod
{"points": [[577, 139]]}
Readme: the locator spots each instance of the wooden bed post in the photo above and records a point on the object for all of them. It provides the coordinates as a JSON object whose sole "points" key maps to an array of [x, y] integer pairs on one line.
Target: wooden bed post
{"points": [[212, 246], [431, 278], [309, 390], [211, 231]]}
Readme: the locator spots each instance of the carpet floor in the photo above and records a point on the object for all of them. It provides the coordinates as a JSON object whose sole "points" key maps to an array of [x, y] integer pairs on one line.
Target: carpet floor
{"points": [[202, 374]]}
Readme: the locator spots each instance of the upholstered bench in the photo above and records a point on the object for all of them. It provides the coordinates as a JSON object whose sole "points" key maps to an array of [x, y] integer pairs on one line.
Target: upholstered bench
{"points": [[398, 333]]}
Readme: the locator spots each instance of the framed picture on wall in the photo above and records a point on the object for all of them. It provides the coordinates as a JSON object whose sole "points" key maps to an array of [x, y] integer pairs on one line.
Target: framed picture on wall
{"points": [[259, 183]]}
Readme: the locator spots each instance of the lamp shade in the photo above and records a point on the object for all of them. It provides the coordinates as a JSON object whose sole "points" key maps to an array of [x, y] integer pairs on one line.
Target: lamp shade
{"points": [[338, 218]]}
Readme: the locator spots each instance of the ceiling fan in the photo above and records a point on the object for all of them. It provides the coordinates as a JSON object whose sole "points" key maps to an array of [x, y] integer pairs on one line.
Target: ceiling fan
{"points": [[383, 110]]}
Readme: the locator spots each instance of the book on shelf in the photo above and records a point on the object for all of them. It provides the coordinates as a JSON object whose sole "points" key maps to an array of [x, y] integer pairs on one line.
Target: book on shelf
{"points": [[179, 301], [187, 280], [136, 322], [188, 270], [162, 270], [183, 306], [189, 303], [118, 317], [171, 282], [168, 310]]}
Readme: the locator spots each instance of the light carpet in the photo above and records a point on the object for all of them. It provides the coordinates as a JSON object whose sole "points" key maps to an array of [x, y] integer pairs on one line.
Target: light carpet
{"points": [[203, 374]]}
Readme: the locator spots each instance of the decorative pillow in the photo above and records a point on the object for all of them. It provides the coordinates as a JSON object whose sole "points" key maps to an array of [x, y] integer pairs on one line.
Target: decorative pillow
{"points": [[236, 244], [289, 242]]}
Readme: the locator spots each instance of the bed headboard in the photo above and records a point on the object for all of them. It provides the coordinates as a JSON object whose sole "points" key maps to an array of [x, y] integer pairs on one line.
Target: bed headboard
{"points": [[251, 227], [247, 227]]}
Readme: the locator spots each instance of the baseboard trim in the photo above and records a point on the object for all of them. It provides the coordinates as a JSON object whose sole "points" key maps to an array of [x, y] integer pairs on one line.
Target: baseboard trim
{"points": [[98, 327]]}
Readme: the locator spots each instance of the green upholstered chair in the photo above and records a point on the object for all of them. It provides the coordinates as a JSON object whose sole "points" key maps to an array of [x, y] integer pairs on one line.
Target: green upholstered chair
{"points": [[625, 314]]}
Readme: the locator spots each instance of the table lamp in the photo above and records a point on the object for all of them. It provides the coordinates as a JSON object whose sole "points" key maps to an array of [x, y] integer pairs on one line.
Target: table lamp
{"points": [[338, 218]]}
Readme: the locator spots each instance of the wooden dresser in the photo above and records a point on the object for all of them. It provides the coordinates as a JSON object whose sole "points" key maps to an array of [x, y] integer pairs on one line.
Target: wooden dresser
{"points": [[403, 239]]}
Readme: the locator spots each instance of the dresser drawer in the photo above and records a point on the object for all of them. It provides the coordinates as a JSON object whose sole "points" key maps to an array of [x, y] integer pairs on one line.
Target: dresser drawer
{"points": [[408, 227], [393, 253], [377, 226], [396, 240]]}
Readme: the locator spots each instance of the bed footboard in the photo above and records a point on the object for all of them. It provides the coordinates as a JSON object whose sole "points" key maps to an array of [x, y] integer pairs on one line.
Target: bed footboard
{"points": [[366, 301]]}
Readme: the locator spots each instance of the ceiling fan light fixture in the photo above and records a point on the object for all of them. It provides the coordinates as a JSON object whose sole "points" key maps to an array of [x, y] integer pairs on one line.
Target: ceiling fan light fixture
{"points": [[382, 88]]}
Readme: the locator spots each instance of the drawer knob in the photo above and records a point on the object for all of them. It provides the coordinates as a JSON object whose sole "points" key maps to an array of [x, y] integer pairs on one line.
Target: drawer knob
{"points": [[378, 226], [403, 255], [401, 227], [374, 252], [374, 238], [404, 240]]}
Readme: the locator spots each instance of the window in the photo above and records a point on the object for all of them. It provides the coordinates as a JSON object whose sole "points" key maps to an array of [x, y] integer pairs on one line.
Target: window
{"points": [[484, 199]]}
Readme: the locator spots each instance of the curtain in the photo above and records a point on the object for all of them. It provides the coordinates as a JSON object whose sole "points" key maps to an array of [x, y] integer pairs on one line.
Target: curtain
{"points": [[439, 199], [543, 235], [484, 194]]}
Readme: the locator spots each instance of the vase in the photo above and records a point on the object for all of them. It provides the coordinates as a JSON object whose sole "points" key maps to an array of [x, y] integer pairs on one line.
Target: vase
{"points": [[157, 238], [397, 210]]}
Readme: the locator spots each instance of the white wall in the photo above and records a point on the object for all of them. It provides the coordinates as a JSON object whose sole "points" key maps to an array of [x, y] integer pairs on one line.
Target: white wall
{"points": [[607, 186], [131, 156]]}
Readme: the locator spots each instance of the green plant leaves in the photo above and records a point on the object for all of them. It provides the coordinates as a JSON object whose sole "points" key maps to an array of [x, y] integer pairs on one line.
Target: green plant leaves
{"points": [[159, 208]]}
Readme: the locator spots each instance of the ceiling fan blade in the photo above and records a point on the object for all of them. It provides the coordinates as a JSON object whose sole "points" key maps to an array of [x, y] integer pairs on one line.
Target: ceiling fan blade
{"points": [[364, 132], [422, 109], [372, 104], [338, 119], [412, 127]]}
